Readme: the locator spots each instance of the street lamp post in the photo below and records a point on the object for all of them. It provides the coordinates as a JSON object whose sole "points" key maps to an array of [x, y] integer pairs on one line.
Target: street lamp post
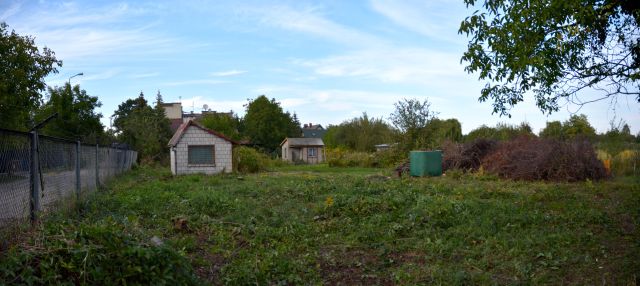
{"points": [[75, 75]]}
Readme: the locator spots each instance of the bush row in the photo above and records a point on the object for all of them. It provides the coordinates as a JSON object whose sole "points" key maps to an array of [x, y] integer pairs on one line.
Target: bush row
{"points": [[339, 157], [249, 160]]}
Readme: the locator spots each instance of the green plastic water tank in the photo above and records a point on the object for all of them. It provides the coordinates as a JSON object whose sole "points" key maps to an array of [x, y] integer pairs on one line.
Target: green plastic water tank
{"points": [[425, 163]]}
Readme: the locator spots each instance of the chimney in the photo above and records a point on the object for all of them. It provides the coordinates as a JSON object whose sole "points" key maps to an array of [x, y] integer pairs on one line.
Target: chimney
{"points": [[310, 124]]}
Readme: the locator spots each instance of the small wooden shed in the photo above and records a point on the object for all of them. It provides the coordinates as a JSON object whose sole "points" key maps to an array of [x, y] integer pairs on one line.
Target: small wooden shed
{"points": [[308, 150], [196, 149]]}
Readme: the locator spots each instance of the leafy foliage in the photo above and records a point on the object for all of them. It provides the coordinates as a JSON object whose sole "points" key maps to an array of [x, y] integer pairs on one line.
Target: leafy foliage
{"points": [[23, 68], [103, 252], [249, 160], [411, 117], [227, 124], [359, 134], [340, 157], [77, 117], [553, 49], [577, 126], [502, 132], [266, 124], [146, 129]]}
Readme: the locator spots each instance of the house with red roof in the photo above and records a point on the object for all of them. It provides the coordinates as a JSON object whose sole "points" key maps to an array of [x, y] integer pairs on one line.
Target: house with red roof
{"points": [[197, 149]]}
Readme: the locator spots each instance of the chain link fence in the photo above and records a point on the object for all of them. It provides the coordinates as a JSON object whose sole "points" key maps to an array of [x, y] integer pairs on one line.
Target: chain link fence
{"points": [[40, 173]]}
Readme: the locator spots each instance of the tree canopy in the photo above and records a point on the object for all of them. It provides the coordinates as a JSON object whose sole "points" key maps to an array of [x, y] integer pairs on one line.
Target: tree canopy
{"points": [[577, 126], [77, 116], [266, 124], [502, 131], [23, 68], [553, 49], [225, 123], [360, 134], [144, 128], [411, 117]]}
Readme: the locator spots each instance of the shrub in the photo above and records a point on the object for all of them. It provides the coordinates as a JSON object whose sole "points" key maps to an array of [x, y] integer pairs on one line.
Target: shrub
{"points": [[249, 160], [338, 157], [529, 158], [626, 163]]}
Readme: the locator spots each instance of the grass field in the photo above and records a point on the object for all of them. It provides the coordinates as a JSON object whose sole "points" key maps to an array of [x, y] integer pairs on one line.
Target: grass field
{"points": [[349, 226]]}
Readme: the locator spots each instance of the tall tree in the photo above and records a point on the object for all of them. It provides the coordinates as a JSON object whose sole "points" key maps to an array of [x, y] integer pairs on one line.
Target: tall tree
{"points": [[360, 133], [411, 117], [161, 124], [144, 128], [553, 49], [438, 131], [23, 68], [554, 130], [502, 131], [125, 109], [578, 127], [77, 116], [267, 124], [225, 123]]}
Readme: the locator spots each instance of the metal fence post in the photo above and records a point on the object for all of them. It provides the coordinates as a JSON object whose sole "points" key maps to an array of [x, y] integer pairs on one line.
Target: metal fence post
{"points": [[97, 168], [34, 202], [78, 146]]}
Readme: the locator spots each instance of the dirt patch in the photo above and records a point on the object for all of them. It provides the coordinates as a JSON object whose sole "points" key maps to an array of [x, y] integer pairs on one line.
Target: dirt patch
{"points": [[213, 262], [340, 266]]}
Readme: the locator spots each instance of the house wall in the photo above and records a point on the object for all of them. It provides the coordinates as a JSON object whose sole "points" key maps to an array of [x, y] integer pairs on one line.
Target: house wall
{"points": [[287, 153], [301, 153], [173, 111], [319, 158], [196, 136], [172, 154]]}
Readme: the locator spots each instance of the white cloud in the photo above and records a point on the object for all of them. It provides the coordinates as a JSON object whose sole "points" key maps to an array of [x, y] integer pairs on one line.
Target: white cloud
{"points": [[99, 76], [228, 73], [308, 20], [397, 65], [77, 33], [433, 19], [194, 82], [13, 9], [144, 75]]}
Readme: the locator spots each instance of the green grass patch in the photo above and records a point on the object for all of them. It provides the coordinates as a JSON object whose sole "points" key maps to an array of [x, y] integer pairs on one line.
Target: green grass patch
{"points": [[320, 225]]}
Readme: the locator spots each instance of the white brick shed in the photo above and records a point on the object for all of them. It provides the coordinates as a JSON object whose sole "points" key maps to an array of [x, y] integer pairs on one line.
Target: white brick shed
{"points": [[196, 149]]}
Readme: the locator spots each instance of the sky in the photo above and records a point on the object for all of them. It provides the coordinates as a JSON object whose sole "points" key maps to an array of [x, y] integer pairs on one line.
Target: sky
{"points": [[326, 61]]}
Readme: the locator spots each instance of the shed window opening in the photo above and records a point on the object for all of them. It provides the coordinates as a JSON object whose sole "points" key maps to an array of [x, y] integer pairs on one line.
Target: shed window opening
{"points": [[202, 155], [312, 152]]}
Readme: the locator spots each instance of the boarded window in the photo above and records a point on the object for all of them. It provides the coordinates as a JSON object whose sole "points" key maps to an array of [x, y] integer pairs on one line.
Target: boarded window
{"points": [[202, 154], [312, 152]]}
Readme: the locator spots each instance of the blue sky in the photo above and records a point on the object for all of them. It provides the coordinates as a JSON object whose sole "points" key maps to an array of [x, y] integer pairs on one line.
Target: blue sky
{"points": [[327, 61]]}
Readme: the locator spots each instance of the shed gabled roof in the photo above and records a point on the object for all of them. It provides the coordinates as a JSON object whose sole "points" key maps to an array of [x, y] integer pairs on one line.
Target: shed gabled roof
{"points": [[184, 126], [303, 142]]}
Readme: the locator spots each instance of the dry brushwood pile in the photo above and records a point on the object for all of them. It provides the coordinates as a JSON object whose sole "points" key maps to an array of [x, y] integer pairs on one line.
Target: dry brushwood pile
{"points": [[468, 156], [528, 158]]}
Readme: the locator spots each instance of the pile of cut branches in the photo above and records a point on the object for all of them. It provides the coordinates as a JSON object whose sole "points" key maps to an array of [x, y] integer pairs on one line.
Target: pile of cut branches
{"points": [[530, 158], [527, 158], [468, 156]]}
